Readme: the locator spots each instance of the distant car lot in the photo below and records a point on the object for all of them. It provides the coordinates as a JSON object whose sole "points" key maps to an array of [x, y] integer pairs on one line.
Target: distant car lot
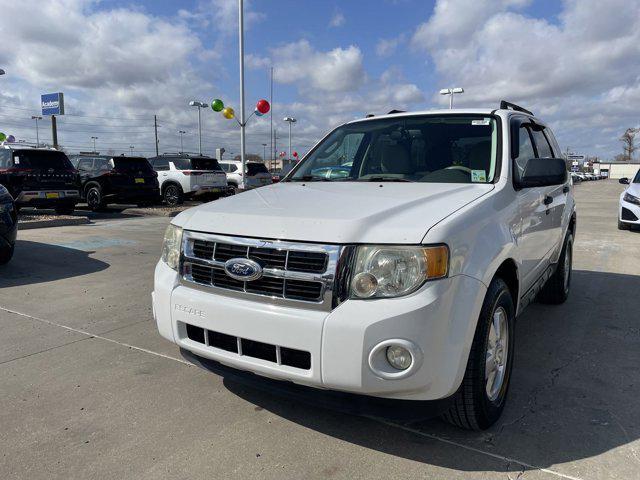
{"points": [[91, 391]]}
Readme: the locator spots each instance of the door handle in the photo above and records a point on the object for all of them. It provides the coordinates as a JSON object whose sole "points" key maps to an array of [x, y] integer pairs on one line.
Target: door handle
{"points": [[548, 200]]}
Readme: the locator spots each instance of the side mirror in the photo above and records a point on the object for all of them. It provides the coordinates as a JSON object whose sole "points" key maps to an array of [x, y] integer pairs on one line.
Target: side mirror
{"points": [[624, 181], [542, 172]]}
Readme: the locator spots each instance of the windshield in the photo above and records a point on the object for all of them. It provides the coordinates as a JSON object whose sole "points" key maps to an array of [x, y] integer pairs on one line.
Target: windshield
{"points": [[255, 168], [41, 159], [442, 149], [131, 164], [636, 179], [196, 163]]}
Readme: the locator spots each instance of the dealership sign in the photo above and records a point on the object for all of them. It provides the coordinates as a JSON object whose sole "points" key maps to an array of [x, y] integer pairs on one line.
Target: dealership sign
{"points": [[52, 103]]}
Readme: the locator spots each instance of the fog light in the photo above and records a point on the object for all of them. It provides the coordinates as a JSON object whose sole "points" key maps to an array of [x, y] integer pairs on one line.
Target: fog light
{"points": [[399, 357], [364, 285]]}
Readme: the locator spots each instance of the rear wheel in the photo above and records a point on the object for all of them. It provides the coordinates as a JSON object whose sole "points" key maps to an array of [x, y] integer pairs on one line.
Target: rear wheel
{"points": [[94, 198], [556, 290], [173, 195], [479, 401], [6, 254]]}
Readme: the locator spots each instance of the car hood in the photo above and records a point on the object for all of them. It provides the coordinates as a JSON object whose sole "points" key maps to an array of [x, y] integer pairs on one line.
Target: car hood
{"points": [[334, 212]]}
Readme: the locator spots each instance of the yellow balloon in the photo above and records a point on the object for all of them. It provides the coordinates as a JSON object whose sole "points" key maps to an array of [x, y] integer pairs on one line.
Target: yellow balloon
{"points": [[228, 113]]}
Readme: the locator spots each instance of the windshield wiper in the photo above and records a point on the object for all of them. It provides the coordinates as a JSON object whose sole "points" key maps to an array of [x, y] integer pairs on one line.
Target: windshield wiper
{"points": [[385, 179], [309, 178]]}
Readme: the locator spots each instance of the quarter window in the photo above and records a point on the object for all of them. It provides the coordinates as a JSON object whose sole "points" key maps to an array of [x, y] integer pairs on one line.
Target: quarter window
{"points": [[542, 145], [85, 164], [525, 151]]}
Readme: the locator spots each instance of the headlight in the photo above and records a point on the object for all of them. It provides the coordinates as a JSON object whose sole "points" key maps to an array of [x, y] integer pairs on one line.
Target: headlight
{"points": [[382, 271], [171, 246], [631, 199]]}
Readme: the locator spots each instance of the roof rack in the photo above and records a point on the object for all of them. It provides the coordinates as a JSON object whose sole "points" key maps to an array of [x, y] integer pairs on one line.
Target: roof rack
{"points": [[396, 111], [504, 105]]}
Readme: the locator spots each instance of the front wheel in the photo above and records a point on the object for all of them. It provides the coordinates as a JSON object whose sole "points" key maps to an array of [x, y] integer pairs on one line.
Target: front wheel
{"points": [[479, 401], [556, 290]]}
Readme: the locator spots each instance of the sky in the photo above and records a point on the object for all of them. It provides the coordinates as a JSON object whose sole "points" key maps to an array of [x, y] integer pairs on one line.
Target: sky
{"points": [[119, 63]]}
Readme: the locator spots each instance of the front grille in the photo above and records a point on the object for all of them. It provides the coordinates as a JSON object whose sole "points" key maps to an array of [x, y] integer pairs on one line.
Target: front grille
{"points": [[291, 271], [250, 348], [628, 215]]}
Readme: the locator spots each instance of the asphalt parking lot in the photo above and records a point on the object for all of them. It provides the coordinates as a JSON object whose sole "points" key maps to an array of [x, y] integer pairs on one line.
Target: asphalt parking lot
{"points": [[89, 390]]}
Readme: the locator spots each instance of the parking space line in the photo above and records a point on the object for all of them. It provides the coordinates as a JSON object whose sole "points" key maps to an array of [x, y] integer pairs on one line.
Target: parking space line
{"points": [[405, 428]]}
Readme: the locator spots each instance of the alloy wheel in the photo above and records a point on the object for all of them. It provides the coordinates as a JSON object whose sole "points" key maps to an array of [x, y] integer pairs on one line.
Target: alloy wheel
{"points": [[497, 354]]}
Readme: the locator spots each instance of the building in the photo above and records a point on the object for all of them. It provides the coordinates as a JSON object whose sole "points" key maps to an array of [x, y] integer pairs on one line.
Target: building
{"points": [[616, 170]]}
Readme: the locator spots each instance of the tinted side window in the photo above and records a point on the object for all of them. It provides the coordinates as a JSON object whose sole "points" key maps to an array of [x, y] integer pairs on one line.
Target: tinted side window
{"points": [[557, 152], [542, 145], [525, 151], [161, 164], [5, 159], [232, 167], [85, 164]]}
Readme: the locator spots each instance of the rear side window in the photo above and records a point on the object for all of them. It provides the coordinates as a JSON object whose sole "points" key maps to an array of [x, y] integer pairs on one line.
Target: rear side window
{"points": [[85, 164], [542, 145], [160, 164], [232, 167], [41, 159], [5, 159], [131, 164], [255, 168]]}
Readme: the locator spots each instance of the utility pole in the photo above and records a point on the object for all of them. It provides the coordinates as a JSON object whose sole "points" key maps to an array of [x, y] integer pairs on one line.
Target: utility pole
{"points": [[36, 118], [54, 132], [271, 117], [155, 127], [242, 118], [181, 132], [264, 152]]}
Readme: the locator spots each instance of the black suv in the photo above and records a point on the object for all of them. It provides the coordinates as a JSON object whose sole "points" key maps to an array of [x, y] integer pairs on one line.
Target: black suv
{"points": [[39, 177], [8, 225], [108, 179]]}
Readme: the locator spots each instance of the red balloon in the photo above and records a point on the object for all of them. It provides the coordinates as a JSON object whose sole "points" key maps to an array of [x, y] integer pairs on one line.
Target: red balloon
{"points": [[263, 106], [295, 154]]}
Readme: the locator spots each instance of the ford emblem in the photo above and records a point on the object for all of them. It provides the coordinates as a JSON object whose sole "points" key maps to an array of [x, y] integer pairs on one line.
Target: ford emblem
{"points": [[243, 269]]}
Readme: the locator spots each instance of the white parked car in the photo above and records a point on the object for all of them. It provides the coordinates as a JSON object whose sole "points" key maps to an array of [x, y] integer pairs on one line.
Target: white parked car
{"points": [[256, 174], [399, 281], [629, 211], [189, 176]]}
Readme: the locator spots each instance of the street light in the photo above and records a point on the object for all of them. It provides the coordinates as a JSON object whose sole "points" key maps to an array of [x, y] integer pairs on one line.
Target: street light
{"points": [[264, 152], [181, 132], [36, 118], [131, 147], [94, 143], [290, 121], [195, 103], [451, 92]]}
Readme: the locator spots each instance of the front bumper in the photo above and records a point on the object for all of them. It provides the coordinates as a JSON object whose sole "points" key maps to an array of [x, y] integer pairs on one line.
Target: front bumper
{"points": [[439, 320], [46, 198], [629, 213]]}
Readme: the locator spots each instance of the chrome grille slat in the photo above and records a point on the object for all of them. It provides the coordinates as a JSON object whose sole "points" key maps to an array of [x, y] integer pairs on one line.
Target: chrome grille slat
{"points": [[293, 273]]}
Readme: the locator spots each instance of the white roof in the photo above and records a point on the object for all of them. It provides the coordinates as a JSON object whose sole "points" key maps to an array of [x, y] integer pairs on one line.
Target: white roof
{"points": [[453, 111]]}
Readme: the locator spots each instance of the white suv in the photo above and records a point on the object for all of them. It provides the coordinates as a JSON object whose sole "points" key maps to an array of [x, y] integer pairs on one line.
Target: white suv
{"points": [[629, 211], [256, 174], [399, 281], [184, 176]]}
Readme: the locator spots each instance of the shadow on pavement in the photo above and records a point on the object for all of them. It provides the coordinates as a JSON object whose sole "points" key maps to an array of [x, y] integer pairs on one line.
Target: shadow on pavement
{"points": [[574, 391], [35, 262]]}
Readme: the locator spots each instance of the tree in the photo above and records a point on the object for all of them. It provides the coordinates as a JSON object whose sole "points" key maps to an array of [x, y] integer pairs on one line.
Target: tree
{"points": [[628, 139]]}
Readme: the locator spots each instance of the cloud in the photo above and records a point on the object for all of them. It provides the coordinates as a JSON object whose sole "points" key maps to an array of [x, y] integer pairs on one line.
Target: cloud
{"points": [[337, 20], [557, 68], [337, 70], [388, 46]]}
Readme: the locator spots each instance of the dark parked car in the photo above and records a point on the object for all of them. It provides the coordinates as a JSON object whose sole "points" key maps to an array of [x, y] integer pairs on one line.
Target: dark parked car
{"points": [[39, 177], [108, 179], [8, 225]]}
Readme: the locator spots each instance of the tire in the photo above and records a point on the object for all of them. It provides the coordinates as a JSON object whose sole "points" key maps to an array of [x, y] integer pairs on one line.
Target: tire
{"points": [[65, 209], [623, 226], [479, 401], [173, 195], [556, 290], [94, 198], [233, 189], [6, 254]]}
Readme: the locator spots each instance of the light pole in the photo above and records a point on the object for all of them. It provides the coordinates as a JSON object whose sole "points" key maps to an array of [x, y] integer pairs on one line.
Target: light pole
{"points": [[242, 118], [451, 92], [131, 147], [290, 121], [264, 152], [195, 103], [94, 143], [181, 132], [36, 118]]}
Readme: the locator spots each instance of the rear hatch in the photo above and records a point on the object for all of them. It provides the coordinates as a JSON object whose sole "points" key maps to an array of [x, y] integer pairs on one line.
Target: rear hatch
{"points": [[133, 172], [258, 175], [43, 170], [202, 172]]}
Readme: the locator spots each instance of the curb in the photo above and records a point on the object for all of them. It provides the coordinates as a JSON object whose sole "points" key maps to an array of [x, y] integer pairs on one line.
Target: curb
{"points": [[58, 222], [141, 212]]}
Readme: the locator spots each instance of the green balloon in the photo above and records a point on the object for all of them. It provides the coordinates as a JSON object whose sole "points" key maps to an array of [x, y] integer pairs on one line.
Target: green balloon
{"points": [[3, 137], [217, 105]]}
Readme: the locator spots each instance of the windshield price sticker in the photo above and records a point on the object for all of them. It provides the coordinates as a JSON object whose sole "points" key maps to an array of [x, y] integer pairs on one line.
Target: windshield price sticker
{"points": [[484, 121], [478, 176]]}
